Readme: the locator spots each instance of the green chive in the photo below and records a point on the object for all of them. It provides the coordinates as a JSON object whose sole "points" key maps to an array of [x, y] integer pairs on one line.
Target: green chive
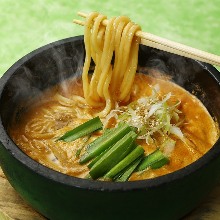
{"points": [[124, 176], [154, 160], [97, 158], [160, 163], [131, 157], [103, 142], [112, 156], [82, 130]]}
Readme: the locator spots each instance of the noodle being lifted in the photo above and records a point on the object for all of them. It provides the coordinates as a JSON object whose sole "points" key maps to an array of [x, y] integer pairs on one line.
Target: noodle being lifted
{"points": [[112, 79], [115, 124]]}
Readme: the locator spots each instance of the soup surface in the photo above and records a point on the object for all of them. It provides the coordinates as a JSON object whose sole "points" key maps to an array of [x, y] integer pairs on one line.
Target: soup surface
{"points": [[62, 108]]}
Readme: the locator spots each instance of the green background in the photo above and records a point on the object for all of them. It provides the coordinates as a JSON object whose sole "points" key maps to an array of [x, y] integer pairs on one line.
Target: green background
{"points": [[28, 24]]}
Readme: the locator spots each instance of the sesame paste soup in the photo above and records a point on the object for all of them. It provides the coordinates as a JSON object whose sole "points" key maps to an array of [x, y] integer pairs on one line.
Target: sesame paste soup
{"points": [[63, 108]]}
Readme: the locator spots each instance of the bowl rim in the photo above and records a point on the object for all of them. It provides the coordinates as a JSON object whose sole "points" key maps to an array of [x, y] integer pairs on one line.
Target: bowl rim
{"points": [[96, 185]]}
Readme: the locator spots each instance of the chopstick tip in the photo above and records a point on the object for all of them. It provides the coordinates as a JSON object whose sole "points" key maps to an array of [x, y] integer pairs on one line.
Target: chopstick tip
{"points": [[82, 14], [78, 22]]}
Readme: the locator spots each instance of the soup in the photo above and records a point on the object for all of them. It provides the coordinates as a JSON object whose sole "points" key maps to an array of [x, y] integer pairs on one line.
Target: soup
{"points": [[62, 108]]}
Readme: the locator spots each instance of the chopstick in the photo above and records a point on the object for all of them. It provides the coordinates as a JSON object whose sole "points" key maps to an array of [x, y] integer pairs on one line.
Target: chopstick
{"points": [[160, 43]]}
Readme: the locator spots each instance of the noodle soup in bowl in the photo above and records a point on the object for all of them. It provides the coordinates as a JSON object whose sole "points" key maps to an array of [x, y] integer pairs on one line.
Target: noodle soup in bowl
{"points": [[59, 195]]}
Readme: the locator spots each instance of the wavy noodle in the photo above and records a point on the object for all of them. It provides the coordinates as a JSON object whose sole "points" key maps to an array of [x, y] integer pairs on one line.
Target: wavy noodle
{"points": [[74, 101], [114, 50], [64, 101]]}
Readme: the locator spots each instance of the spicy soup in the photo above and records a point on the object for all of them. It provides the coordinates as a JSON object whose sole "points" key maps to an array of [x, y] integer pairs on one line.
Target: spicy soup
{"points": [[63, 108]]}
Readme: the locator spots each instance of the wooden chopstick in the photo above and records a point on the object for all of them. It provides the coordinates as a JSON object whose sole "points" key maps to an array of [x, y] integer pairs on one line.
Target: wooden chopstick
{"points": [[154, 41]]}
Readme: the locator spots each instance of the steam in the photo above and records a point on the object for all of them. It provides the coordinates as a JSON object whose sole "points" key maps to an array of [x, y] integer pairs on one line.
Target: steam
{"points": [[170, 66], [37, 73], [68, 65], [60, 62]]}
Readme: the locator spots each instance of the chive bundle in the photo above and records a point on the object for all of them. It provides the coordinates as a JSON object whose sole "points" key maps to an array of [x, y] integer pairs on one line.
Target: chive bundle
{"points": [[114, 155]]}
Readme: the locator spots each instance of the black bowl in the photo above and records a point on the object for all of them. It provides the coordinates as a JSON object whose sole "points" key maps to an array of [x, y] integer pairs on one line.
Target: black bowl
{"points": [[58, 196]]}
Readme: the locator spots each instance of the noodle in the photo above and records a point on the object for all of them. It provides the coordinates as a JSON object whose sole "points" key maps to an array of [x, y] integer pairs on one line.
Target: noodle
{"points": [[110, 82]]}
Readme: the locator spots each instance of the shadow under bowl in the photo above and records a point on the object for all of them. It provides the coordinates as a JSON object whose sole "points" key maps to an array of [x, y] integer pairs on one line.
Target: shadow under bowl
{"points": [[58, 196]]}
